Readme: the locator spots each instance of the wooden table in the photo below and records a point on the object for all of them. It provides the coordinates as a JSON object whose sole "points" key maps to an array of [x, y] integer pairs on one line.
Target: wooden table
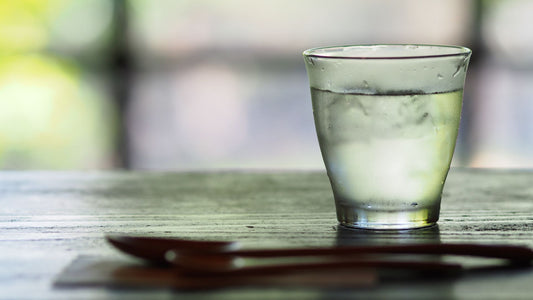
{"points": [[48, 219]]}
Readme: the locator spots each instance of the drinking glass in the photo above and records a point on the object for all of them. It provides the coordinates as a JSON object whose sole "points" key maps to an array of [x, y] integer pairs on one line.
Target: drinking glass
{"points": [[387, 118]]}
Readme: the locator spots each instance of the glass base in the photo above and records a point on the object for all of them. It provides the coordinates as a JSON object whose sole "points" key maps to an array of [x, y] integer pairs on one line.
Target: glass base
{"points": [[363, 218]]}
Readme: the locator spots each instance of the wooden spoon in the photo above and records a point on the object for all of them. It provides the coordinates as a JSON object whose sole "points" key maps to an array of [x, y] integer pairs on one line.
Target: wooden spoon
{"points": [[231, 265], [154, 249]]}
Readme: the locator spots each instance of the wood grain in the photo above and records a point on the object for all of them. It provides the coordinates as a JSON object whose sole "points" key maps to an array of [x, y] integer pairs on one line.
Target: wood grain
{"points": [[47, 219]]}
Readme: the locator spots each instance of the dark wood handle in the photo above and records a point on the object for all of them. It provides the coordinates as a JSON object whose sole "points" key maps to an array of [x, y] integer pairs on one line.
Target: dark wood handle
{"points": [[510, 252]]}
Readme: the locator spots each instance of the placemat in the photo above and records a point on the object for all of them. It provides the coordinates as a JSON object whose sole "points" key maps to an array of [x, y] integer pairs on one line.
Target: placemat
{"points": [[95, 271]]}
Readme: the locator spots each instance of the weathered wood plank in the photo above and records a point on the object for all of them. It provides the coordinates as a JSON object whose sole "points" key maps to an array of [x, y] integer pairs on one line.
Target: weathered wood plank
{"points": [[49, 218]]}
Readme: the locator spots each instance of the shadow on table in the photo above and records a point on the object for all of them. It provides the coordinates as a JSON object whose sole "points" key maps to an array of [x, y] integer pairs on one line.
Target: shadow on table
{"points": [[394, 284], [348, 236]]}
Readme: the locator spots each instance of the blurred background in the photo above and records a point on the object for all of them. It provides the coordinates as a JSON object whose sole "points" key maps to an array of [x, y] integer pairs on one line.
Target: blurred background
{"points": [[198, 84]]}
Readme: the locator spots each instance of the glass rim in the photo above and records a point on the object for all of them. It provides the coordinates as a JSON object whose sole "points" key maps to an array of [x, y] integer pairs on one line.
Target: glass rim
{"points": [[315, 52]]}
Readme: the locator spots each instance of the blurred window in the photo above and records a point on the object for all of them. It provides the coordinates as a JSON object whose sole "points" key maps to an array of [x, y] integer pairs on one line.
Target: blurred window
{"points": [[222, 83], [502, 110], [54, 109], [195, 84]]}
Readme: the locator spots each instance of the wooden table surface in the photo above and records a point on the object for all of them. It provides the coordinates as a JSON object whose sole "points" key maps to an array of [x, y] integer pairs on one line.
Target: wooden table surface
{"points": [[48, 219]]}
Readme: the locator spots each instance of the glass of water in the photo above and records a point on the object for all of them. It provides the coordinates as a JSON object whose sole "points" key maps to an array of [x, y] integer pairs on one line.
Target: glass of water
{"points": [[387, 118]]}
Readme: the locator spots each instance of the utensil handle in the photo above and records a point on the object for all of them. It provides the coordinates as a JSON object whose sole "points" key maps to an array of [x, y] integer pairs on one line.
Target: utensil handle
{"points": [[190, 265], [517, 254]]}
